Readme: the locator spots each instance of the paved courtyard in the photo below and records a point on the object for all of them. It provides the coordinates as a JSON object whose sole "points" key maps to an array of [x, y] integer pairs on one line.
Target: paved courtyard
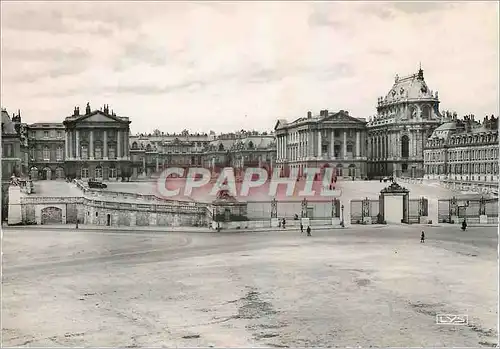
{"points": [[353, 287]]}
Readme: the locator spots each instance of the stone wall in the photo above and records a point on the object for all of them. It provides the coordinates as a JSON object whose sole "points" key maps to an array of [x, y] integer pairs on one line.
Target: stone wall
{"points": [[141, 217], [34, 210], [72, 213]]}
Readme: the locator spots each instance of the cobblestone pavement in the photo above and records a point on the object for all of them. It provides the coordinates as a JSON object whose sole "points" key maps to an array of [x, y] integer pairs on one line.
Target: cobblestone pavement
{"points": [[361, 286]]}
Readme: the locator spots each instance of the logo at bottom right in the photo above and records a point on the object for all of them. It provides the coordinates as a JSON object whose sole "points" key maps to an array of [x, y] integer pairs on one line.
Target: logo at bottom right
{"points": [[452, 319]]}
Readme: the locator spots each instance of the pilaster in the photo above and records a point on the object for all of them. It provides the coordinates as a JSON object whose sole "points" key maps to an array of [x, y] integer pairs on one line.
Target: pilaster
{"points": [[344, 155], [91, 145], [105, 148]]}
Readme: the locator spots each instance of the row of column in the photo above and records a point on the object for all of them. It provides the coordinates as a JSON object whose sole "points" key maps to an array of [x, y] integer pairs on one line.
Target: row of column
{"points": [[71, 147], [389, 145], [306, 144]]}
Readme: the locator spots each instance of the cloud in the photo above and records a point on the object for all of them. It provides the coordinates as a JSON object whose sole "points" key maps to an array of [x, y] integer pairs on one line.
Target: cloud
{"points": [[139, 51], [322, 15], [154, 89], [419, 7], [49, 19], [200, 62], [46, 54]]}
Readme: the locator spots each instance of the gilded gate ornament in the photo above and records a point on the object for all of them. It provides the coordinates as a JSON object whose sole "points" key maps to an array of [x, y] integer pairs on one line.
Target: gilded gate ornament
{"points": [[304, 208], [334, 208], [274, 209], [453, 206], [365, 207], [482, 206]]}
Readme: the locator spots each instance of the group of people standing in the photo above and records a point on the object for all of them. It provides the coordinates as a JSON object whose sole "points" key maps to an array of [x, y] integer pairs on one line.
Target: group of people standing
{"points": [[282, 224]]}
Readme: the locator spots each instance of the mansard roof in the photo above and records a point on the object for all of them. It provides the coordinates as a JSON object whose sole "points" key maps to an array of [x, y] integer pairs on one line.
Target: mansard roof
{"points": [[412, 87]]}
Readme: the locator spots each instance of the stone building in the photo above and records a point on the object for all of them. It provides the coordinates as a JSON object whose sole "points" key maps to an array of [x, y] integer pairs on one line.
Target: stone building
{"points": [[96, 144], [405, 118], [46, 142], [14, 146], [464, 151], [241, 150], [152, 153], [329, 139], [14, 153]]}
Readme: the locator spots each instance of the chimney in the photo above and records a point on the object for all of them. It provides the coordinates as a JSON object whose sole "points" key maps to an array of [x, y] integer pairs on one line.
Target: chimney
{"points": [[326, 112], [309, 114]]}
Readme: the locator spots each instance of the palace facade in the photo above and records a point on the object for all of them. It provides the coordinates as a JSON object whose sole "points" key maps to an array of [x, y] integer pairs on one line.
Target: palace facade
{"points": [[326, 140], [406, 117], [392, 143], [464, 151], [152, 153]]}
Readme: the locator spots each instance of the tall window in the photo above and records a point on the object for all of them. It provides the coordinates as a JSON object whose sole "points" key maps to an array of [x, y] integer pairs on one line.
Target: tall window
{"points": [[98, 172], [111, 153], [405, 146], [46, 153], [46, 134], [59, 134], [85, 152], [85, 172], [59, 153], [112, 172], [98, 153]]}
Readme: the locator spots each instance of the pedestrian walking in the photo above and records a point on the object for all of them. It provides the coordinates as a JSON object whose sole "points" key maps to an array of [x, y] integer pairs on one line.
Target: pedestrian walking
{"points": [[308, 231], [279, 224], [284, 223], [77, 224], [301, 228], [464, 225], [422, 237]]}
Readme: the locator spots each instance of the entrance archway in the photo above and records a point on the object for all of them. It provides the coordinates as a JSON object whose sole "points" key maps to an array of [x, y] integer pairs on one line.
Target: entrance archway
{"points": [[47, 173], [51, 215], [352, 170], [339, 170], [34, 173]]}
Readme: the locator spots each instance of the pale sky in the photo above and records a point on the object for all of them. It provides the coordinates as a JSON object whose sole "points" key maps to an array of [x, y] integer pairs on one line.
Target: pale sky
{"points": [[229, 66]]}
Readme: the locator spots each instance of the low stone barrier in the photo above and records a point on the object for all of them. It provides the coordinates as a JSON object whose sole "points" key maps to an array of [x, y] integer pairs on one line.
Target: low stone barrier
{"points": [[66, 210]]}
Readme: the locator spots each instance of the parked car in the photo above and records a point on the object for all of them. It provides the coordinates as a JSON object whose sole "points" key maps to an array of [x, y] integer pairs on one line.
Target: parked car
{"points": [[96, 184]]}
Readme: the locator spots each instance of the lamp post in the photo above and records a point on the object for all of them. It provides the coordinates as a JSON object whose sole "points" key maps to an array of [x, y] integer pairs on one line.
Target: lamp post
{"points": [[342, 221]]}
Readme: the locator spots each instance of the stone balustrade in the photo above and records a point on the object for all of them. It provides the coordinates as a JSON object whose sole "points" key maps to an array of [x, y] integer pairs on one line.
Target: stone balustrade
{"points": [[107, 194], [43, 200]]}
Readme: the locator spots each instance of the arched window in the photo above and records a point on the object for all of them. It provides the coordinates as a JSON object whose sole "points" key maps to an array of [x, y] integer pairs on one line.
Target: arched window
{"points": [[98, 172], [413, 112], [59, 154], [111, 152], [426, 112], [98, 151], [85, 172], [134, 145], [46, 153], [148, 147], [405, 146], [85, 152]]}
